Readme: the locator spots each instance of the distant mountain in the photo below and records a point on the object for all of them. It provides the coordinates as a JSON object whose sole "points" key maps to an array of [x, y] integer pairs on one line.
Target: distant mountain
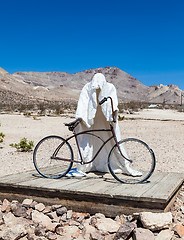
{"points": [[128, 87], [35, 87], [14, 90], [164, 94]]}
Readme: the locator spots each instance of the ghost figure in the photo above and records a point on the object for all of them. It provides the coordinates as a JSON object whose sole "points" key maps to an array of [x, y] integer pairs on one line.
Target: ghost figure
{"points": [[95, 116]]}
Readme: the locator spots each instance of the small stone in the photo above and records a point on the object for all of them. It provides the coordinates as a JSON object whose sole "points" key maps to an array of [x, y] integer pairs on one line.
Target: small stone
{"points": [[179, 229], [142, 234], [39, 217], [54, 207], [182, 209], [20, 212], [87, 230], [125, 230], [29, 211], [63, 218], [69, 214], [107, 225], [59, 230], [52, 227], [33, 204], [110, 236], [6, 206], [30, 231], [14, 204], [96, 236], [81, 226], [47, 209], [156, 221], [32, 236], [39, 231], [14, 232], [1, 219], [69, 231], [76, 234], [61, 211], [53, 216], [136, 215], [120, 219], [39, 207], [78, 215], [93, 221], [73, 222], [51, 236], [86, 221], [9, 219], [99, 215], [27, 202], [80, 219], [165, 235]]}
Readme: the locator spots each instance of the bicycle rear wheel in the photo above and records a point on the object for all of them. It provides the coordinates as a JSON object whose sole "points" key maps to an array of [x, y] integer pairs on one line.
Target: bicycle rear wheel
{"points": [[47, 154], [142, 166]]}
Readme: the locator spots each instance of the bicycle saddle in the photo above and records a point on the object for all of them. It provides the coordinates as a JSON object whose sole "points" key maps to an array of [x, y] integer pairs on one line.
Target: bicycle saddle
{"points": [[73, 124]]}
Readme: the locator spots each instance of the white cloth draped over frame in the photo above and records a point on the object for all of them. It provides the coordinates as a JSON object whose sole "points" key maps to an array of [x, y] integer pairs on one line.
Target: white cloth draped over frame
{"points": [[95, 116]]}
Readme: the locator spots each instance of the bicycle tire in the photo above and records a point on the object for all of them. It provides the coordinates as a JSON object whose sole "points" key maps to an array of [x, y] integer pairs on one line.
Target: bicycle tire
{"points": [[47, 166], [143, 161]]}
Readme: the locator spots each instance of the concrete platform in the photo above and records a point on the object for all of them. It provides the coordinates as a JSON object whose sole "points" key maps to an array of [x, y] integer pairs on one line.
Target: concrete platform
{"points": [[96, 192]]}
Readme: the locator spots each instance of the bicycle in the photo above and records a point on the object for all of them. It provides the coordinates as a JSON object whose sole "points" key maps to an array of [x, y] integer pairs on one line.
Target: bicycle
{"points": [[49, 161]]}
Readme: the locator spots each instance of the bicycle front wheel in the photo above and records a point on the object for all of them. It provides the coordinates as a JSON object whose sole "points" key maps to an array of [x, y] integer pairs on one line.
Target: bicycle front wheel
{"points": [[143, 161], [48, 155]]}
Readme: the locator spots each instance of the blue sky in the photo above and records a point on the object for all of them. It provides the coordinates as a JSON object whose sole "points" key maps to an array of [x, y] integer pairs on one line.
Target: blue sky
{"points": [[144, 38]]}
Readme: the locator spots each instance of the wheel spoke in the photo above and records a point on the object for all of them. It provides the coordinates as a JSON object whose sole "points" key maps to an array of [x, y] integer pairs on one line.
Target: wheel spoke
{"points": [[140, 169], [46, 164]]}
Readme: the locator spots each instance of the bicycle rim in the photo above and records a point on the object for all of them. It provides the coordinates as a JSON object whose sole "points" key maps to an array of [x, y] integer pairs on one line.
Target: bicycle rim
{"points": [[43, 159], [142, 166]]}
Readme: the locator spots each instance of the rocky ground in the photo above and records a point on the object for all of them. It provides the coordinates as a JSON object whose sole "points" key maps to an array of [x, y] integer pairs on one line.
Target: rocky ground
{"points": [[31, 220]]}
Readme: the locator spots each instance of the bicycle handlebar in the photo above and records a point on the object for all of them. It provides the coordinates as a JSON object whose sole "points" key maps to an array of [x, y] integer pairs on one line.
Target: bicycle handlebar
{"points": [[104, 100]]}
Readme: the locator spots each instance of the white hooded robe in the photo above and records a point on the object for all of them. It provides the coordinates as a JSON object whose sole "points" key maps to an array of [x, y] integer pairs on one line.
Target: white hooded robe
{"points": [[95, 116]]}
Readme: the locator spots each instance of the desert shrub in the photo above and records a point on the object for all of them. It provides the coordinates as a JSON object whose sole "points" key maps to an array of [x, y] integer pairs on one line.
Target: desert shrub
{"points": [[36, 117], [27, 114], [23, 145], [2, 135], [59, 111], [181, 108], [22, 107], [121, 118], [134, 106], [42, 107]]}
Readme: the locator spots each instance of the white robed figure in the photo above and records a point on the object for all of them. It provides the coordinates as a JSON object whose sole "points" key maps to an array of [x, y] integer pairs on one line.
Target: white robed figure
{"points": [[95, 116]]}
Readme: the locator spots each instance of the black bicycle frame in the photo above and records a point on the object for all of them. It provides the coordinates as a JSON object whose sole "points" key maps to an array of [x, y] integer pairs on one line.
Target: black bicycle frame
{"points": [[89, 132]]}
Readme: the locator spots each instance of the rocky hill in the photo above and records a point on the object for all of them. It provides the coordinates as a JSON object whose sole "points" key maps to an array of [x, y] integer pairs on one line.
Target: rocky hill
{"points": [[164, 94], [34, 87], [15, 91], [128, 87]]}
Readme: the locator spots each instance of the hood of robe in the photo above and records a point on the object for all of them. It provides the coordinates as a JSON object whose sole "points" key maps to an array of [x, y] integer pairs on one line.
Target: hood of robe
{"points": [[97, 81], [88, 102]]}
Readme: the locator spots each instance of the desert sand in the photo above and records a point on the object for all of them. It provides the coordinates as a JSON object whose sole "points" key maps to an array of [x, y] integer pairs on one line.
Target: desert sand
{"points": [[162, 130]]}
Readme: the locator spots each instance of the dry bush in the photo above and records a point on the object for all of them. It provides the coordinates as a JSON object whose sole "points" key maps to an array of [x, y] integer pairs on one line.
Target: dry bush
{"points": [[134, 106]]}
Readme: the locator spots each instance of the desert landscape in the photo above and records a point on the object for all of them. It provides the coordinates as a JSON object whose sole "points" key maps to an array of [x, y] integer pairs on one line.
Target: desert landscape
{"points": [[161, 129], [36, 104]]}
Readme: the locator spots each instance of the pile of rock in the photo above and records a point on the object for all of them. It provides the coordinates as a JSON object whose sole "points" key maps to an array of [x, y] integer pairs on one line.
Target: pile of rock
{"points": [[31, 220]]}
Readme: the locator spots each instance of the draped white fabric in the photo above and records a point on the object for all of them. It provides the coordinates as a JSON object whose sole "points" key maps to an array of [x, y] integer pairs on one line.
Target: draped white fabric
{"points": [[95, 116], [88, 102]]}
